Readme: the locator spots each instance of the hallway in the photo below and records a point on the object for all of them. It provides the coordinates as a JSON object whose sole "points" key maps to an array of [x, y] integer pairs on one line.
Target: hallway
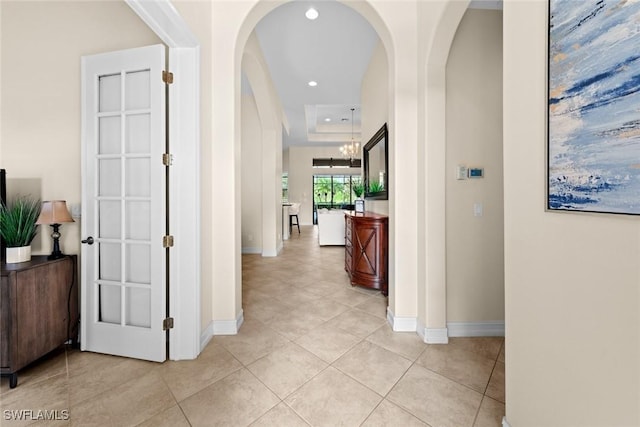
{"points": [[312, 351]]}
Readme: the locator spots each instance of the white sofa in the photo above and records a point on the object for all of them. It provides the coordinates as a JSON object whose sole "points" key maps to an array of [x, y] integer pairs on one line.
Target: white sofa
{"points": [[330, 227]]}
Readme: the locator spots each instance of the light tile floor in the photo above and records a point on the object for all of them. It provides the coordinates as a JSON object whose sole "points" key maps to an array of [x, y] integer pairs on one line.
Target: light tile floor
{"points": [[312, 351]]}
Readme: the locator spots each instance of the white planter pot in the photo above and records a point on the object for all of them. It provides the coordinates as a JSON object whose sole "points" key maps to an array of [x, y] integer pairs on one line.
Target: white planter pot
{"points": [[21, 254]]}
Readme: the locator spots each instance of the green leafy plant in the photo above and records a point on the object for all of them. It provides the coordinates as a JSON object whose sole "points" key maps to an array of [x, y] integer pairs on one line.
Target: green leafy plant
{"points": [[18, 222], [358, 189], [375, 187]]}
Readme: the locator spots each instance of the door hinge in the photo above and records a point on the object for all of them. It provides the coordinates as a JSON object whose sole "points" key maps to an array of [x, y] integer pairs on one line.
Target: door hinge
{"points": [[167, 241], [167, 324], [167, 159], [167, 77]]}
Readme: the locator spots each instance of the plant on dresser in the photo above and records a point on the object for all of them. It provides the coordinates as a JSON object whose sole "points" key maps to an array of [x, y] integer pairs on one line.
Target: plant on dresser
{"points": [[18, 227]]}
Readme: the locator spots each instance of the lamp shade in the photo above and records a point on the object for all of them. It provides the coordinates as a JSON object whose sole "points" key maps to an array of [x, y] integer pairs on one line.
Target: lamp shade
{"points": [[54, 212]]}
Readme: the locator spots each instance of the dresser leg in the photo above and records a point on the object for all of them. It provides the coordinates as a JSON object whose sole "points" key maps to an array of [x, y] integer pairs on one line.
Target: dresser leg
{"points": [[13, 380]]}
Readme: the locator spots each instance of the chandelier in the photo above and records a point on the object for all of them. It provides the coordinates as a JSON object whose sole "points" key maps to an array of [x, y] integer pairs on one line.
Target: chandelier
{"points": [[351, 150]]}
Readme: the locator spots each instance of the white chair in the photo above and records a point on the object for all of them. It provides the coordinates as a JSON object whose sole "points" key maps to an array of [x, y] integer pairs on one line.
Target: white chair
{"points": [[331, 227], [293, 212]]}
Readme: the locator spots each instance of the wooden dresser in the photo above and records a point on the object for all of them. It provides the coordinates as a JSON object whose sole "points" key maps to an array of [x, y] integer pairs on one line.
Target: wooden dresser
{"points": [[366, 249], [38, 310]]}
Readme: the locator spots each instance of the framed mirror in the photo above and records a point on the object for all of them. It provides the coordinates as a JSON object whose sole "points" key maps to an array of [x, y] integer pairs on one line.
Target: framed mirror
{"points": [[376, 166]]}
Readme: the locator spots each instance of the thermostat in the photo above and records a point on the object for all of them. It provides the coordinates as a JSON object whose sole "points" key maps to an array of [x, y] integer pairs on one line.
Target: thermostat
{"points": [[475, 172]]}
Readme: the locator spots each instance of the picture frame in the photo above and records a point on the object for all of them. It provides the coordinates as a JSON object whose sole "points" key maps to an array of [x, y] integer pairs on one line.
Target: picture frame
{"points": [[593, 128]]}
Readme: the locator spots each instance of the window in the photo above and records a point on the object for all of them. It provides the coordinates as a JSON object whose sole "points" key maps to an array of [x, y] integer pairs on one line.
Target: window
{"points": [[333, 192], [285, 187]]}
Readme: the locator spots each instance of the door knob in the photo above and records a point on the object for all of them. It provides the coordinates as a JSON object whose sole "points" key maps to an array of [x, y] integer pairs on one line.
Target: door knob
{"points": [[88, 240]]}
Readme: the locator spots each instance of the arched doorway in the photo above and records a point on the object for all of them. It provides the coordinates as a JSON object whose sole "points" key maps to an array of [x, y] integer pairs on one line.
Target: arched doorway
{"points": [[255, 69], [412, 32]]}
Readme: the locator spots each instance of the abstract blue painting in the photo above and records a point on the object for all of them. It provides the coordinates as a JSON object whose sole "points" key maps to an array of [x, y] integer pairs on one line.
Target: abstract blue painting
{"points": [[594, 106]]}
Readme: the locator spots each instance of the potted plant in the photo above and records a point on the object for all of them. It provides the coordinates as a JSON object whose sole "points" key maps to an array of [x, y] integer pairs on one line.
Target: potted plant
{"points": [[376, 186], [18, 227], [358, 189]]}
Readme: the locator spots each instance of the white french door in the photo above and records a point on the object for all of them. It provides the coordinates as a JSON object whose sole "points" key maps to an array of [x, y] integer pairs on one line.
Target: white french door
{"points": [[124, 262]]}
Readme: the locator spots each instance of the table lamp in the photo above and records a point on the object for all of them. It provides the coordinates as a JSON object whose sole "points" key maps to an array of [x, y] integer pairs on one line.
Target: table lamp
{"points": [[54, 213]]}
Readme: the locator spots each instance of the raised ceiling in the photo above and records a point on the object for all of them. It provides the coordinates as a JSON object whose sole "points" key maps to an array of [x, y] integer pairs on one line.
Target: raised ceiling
{"points": [[333, 50]]}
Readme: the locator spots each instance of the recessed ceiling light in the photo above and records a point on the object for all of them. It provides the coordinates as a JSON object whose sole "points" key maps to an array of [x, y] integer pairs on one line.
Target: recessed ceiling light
{"points": [[311, 14], [328, 119], [313, 83]]}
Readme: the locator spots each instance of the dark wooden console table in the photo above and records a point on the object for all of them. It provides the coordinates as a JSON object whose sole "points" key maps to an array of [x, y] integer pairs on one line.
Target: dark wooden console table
{"points": [[366, 249], [38, 310]]}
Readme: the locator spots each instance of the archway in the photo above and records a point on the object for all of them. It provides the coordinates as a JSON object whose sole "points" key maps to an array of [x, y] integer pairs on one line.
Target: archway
{"points": [[416, 36], [250, 61], [432, 300]]}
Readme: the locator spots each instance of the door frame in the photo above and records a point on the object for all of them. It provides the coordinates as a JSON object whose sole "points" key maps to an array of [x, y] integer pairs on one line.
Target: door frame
{"points": [[184, 184]]}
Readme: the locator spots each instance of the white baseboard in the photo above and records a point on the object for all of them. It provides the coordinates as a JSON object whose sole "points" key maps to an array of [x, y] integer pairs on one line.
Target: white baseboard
{"points": [[436, 336], [401, 324], [411, 324], [258, 251], [206, 336], [505, 423], [252, 251], [421, 331], [228, 327], [476, 329], [458, 329], [220, 327]]}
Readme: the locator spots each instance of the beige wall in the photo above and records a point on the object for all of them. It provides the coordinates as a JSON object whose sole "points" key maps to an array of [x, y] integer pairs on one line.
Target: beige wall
{"points": [[375, 110], [572, 280], [475, 248], [268, 174], [251, 176], [197, 14], [285, 161], [301, 173], [42, 43]]}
